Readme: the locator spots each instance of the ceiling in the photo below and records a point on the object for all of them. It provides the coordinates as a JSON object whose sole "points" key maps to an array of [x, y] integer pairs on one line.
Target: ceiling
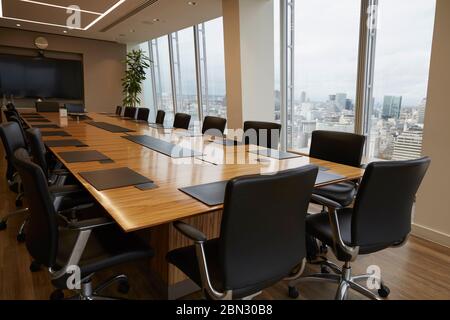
{"points": [[123, 21]]}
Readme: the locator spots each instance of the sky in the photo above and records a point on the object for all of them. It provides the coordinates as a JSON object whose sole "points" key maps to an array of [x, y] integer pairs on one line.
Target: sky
{"points": [[326, 48]]}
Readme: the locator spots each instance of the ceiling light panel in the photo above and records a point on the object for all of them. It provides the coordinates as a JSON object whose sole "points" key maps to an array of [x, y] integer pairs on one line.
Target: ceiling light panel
{"points": [[54, 12]]}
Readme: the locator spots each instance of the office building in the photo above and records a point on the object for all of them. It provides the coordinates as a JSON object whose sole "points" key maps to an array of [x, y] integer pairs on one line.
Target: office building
{"points": [[184, 150], [392, 107]]}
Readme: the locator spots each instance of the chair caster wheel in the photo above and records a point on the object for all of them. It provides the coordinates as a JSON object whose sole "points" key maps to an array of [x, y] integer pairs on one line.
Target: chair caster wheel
{"points": [[2, 225], [124, 287], [293, 293], [324, 269], [384, 291], [21, 237], [19, 203], [35, 266], [57, 295]]}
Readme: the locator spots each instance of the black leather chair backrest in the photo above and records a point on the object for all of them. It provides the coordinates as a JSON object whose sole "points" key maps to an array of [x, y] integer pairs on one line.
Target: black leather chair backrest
{"points": [[42, 226], [160, 116], [383, 206], [10, 106], [214, 123], [182, 121], [143, 114], [119, 110], [130, 112], [340, 147], [9, 114], [47, 106], [263, 226], [37, 148], [74, 108], [12, 140], [264, 134], [22, 130]]}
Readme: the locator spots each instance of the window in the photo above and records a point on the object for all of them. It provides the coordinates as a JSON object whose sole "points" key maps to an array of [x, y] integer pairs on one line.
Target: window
{"points": [[163, 79], [322, 89], [212, 65], [185, 72], [147, 98], [401, 65]]}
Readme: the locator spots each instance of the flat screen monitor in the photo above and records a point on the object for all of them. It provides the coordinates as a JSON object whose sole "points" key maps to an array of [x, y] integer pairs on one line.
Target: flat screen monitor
{"points": [[39, 77]]}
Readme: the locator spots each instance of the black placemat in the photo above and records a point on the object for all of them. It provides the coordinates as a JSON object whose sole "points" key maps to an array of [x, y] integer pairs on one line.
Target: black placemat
{"points": [[38, 120], [211, 194], [46, 126], [114, 178], [65, 143], [55, 134], [109, 127], [325, 177], [275, 154], [83, 156], [163, 147], [30, 114]]}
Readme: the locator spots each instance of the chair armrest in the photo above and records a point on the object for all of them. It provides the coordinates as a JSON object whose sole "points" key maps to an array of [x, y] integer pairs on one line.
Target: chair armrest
{"points": [[325, 201], [62, 191], [86, 224], [60, 172], [337, 237], [189, 231]]}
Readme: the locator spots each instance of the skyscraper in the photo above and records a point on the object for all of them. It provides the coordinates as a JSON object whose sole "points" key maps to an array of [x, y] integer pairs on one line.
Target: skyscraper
{"points": [[391, 107], [341, 100], [408, 145], [303, 97]]}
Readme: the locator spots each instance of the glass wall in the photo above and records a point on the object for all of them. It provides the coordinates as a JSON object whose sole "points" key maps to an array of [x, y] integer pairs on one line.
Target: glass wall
{"points": [[182, 61], [401, 66], [325, 63], [323, 55], [212, 65], [185, 72], [147, 97], [163, 78]]}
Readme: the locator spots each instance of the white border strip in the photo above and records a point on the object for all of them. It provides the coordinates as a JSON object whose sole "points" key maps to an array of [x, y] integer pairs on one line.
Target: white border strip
{"points": [[104, 14]]}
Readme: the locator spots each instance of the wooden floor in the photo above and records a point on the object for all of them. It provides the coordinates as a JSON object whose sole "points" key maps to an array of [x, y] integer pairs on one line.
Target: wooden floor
{"points": [[419, 270]]}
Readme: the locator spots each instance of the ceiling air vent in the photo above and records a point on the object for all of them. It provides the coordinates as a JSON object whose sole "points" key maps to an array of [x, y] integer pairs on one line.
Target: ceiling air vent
{"points": [[129, 15]]}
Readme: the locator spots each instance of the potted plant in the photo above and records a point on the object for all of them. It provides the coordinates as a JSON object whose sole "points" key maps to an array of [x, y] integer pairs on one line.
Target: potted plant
{"points": [[136, 63]]}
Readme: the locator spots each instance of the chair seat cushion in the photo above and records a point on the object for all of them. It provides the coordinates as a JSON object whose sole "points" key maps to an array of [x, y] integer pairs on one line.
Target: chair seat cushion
{"points": [[185, 259], [107, 246], [318, 226], [342, 193]]}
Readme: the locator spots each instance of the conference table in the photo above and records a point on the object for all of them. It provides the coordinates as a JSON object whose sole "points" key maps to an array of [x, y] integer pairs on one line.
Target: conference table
{"points": [[150, 212]]}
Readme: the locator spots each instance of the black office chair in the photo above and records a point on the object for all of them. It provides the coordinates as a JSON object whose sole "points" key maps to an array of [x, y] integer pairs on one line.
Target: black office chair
{"points": [[47, 106], [264, 134], [214, 125], [66, 247], [260, 242], [380, 219], [52, 169], [119, 110], [12, 140], [182, 121], [339, 147], [75, 108], [143, 114], [22, 129], [130, 112], [160, 116]]}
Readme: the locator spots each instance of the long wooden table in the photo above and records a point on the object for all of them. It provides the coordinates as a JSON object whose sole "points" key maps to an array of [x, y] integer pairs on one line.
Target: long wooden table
{"points": [[154, 210]]}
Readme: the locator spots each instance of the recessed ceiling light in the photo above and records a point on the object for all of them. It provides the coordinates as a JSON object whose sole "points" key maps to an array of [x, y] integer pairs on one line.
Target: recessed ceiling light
{"points": [[132, 31], [156, 20], [18, 25], [64, 31], [192, 3]]}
